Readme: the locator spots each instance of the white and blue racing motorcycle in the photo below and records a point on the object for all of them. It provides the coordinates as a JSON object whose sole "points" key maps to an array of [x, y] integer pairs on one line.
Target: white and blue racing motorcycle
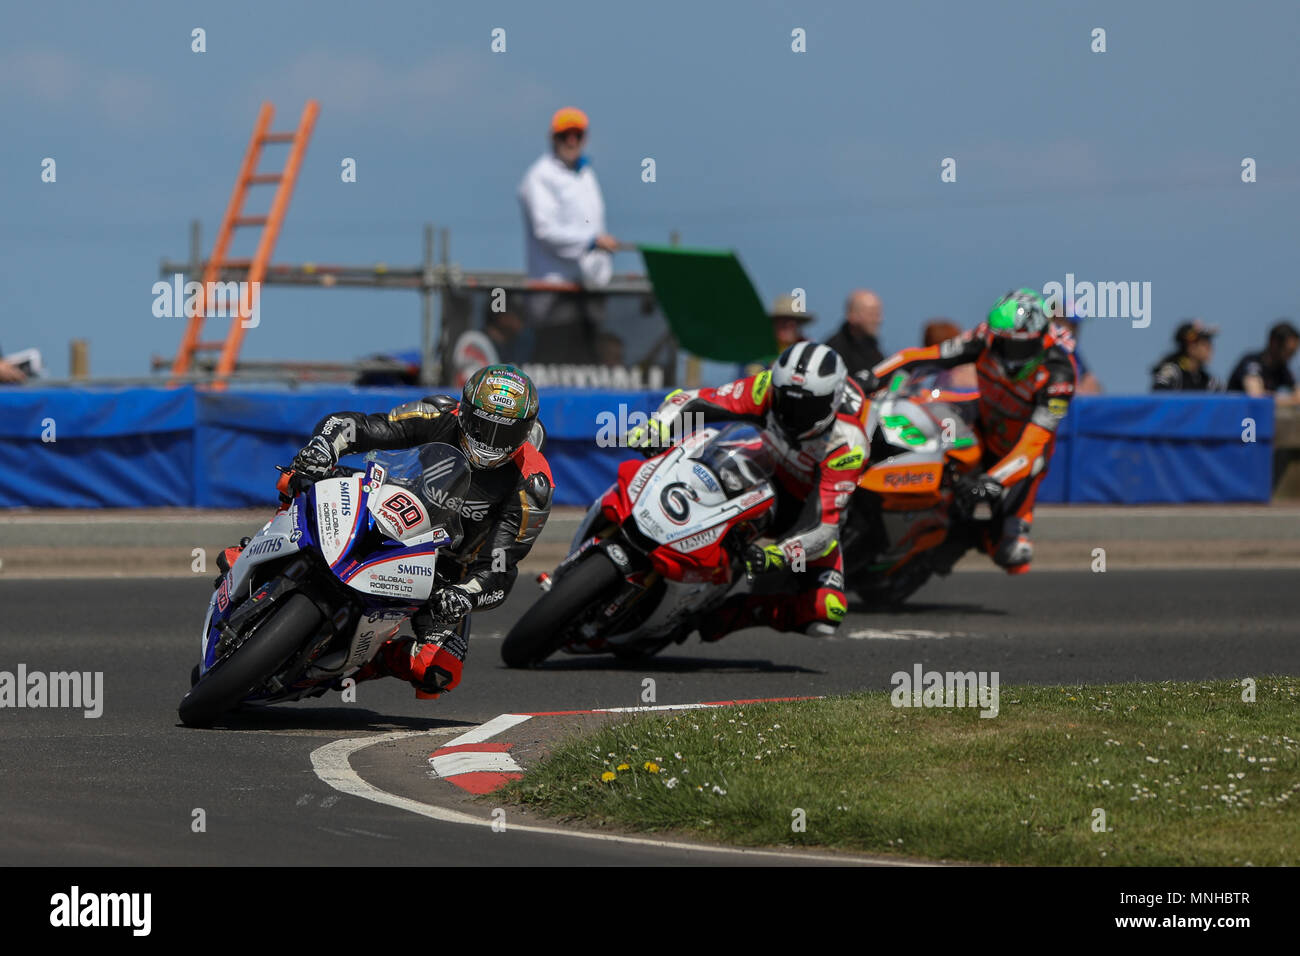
{"points": [[325, 583]]}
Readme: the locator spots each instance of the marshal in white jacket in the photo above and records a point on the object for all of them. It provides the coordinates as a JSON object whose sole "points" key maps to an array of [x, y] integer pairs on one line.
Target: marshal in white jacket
{"points": [[563, 213]]}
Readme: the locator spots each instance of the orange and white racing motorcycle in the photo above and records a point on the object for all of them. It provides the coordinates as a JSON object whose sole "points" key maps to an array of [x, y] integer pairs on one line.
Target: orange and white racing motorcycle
{"points": [[903, 523]]}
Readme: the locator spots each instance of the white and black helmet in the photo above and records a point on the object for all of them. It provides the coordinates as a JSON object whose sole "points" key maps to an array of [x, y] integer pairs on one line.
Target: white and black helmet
{"points": [[807, 385]]}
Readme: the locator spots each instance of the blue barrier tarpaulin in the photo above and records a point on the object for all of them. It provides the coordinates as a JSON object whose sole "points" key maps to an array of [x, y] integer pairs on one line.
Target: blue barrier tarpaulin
{"points": [[174, 447], [96, 448], [1172, 449], [242, 436]]}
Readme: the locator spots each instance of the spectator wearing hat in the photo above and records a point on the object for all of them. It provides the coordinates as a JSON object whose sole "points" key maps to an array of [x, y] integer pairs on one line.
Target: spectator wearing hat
{"points": [[564, 212], [1185, 369], [857, 340], [1266, 372], [787, 325], [788, 322]]}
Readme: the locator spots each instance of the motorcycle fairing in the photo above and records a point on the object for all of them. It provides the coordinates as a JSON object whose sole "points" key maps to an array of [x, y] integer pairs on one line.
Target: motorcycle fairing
{"points": [[683, 507], [277, 539]]}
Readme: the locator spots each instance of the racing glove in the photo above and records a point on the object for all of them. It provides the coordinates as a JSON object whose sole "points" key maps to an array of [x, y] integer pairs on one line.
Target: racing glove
{"points": [[448, 605], [970, 490], [869, 381], [315, 460], [759, 560], [649, 439]]}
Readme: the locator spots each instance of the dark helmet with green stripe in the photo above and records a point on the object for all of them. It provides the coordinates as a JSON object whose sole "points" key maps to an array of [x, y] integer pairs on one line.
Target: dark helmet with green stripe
{"points": [[497, 412], [1019, 321]]}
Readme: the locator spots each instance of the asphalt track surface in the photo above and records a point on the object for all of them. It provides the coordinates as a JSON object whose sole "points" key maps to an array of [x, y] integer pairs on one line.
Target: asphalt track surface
{"points": [[121, 789]]}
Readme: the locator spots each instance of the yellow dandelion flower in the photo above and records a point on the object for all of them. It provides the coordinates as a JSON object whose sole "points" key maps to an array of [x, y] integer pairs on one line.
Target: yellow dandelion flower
{"points": [[624, 766], [607, 776], [652, 766]]}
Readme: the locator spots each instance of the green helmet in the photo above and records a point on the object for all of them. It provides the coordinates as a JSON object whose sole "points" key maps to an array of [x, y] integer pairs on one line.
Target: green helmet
{"points": [[1019, 321], [497, 412]]}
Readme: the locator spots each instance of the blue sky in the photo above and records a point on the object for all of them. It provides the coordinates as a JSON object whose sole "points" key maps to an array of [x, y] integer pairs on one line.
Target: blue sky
{"points": [[821, 169]]}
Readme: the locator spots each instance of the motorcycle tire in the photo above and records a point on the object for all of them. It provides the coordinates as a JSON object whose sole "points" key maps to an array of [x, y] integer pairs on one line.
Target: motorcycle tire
{"points": [[543, 629], [890, 592], [241, 671]]}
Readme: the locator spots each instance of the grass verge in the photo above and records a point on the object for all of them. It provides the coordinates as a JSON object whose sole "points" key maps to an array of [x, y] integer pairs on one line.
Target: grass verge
{"points": [[1184, 773]]}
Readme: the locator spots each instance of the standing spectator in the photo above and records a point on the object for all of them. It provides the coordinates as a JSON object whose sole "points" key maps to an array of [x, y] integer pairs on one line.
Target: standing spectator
{"points": [[787, 326], [788, 322], [509, 338], [1186, 368], [564, 212], [564, 216], [1264, 373], [857, 340], [960, 378]]}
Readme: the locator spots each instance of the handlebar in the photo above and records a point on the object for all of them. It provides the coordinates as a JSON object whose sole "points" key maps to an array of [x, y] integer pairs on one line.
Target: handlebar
{"points": [[290, 483]]}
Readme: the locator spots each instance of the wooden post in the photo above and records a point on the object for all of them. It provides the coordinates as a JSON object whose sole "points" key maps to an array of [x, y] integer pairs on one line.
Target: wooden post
{"points": [[79, 359]]}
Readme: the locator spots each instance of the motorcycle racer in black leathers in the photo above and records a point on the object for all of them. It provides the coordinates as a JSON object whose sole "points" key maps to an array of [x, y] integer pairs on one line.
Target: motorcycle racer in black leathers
{"points": [[509, 499]]}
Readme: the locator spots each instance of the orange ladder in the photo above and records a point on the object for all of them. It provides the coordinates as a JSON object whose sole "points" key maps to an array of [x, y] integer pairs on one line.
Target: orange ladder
{"points": [[233, 219]]}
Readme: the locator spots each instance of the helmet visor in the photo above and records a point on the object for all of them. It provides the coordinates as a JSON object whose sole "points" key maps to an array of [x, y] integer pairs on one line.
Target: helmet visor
{"points": [[800, 414], [1017, 351], [490, 438]]}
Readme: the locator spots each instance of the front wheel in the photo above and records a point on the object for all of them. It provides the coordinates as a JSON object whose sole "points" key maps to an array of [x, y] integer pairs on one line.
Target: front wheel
{"points": [[884, 593], [241, 671], [544, 629]]}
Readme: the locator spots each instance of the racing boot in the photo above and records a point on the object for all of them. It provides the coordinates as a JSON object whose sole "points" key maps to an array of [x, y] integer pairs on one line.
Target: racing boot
{"points": [[734, 613], [1014, 551], [387, 662], [431, 662], [816, 613], [228, 557], [437, 656]]}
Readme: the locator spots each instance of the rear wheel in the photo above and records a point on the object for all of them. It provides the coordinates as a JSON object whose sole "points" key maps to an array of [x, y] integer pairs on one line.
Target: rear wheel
{"points": [[238, 674], [544, 629]]}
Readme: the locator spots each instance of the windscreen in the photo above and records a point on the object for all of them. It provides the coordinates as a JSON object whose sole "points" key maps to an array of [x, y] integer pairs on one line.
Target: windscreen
{"points": [[438, 474], [737, 458]]}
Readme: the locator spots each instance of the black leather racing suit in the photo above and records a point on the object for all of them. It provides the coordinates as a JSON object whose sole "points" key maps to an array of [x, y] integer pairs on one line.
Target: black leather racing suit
{"points": [[505, 508]]}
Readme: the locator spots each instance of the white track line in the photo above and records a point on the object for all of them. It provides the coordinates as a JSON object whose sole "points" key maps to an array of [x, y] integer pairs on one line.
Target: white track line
{"points": [[474, 761], [332, 765], [493, 727]]}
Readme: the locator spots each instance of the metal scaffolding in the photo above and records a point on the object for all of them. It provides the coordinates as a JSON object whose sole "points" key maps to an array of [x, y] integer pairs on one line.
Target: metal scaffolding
{"points": [[435, 277]]}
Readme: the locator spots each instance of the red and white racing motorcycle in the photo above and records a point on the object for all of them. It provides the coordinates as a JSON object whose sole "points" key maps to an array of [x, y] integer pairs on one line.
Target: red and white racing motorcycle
{"points": [[660, 548]]}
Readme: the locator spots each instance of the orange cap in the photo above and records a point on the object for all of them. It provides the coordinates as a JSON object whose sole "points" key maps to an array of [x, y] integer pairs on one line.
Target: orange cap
{"points": [[569, 117]]}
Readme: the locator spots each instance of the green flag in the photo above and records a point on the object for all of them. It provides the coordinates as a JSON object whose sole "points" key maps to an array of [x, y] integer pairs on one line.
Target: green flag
{"points": [[710, 303]]}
